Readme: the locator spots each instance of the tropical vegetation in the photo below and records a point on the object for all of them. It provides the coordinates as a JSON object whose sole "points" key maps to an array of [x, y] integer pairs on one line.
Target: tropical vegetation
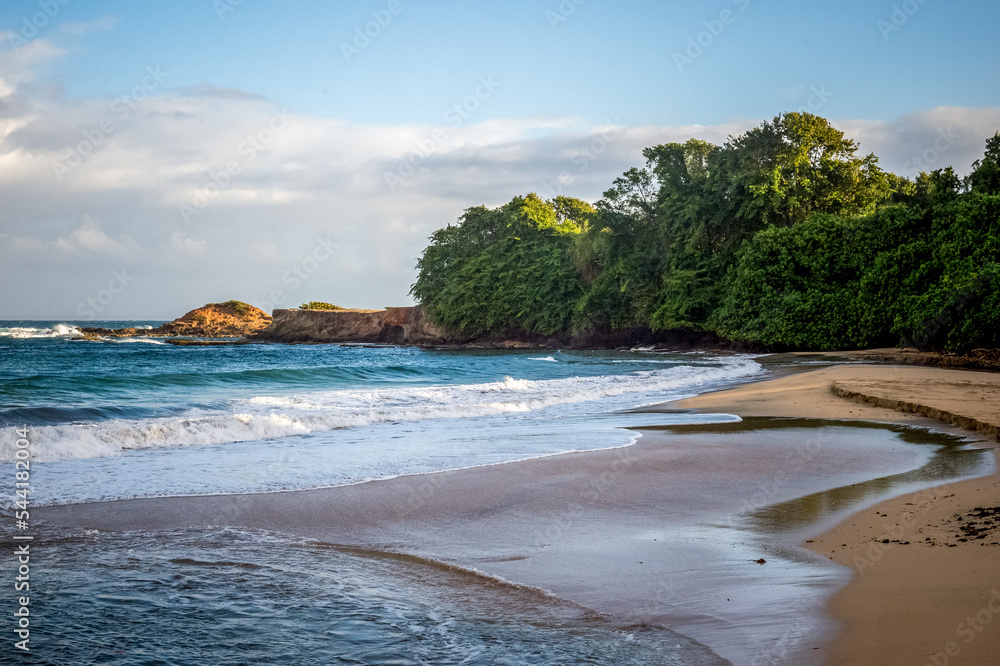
{"points": [[783, 238]]}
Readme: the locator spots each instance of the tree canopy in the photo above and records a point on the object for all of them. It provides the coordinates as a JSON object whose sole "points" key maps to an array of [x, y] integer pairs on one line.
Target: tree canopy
{"points": [[782, 237], [506, 269]]}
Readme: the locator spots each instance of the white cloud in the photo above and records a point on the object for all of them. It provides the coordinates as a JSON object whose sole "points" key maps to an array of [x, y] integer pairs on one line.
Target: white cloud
{"points": [[90, 238], [928, 140], [183, 246], [18, 64], [265, 253], [269, 207]]}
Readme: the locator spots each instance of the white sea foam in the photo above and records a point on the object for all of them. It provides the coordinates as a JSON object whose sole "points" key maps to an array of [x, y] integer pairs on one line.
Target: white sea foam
{"points": [[265, 417], [57, 331], [544, 358]]}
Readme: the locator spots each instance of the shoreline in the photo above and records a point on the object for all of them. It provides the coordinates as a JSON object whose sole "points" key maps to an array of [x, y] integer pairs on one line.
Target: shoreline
{"points": [[923, 589], [574, 523], [412, 326]]}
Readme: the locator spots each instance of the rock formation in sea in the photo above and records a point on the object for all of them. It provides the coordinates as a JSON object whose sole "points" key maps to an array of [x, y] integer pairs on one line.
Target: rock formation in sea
{"points": [[232, 319]]}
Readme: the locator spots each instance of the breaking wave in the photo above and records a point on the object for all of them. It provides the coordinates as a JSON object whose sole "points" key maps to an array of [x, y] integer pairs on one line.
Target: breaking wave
{"points": [[272, 416], [57, 331]]}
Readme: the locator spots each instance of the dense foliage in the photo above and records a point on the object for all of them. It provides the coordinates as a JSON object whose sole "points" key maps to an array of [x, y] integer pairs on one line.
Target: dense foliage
{"points": [[319, 305], [782, 237], [505, 270]]}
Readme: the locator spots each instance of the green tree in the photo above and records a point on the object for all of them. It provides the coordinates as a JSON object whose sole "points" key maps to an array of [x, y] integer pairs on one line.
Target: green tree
{"points": [[505, 270], [784, 236], [799, 164], [985, 176]]}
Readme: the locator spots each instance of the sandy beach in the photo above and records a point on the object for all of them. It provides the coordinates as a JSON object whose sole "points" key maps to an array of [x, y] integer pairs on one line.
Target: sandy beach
{"points": [[924, 590], [677, 529]]}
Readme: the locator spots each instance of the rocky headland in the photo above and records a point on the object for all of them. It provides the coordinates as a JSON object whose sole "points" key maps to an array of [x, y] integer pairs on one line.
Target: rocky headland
{"points": [[413, 326], [242, 323], [400, 326], [232, 319]]}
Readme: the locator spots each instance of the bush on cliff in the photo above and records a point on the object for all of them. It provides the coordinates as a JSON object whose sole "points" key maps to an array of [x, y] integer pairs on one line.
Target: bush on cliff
{"points": [[319, 305], [238, 307]]}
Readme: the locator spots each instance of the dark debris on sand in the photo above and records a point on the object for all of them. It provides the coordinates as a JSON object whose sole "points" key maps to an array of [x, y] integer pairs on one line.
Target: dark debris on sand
{"points": [[980, 524]]}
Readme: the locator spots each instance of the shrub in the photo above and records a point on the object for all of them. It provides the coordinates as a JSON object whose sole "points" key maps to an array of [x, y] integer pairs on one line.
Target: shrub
{"points": [[239, 307], [319, 305]]}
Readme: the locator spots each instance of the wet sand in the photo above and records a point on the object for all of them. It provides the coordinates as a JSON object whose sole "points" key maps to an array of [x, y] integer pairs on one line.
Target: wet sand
{"points": [[925, 566], [668, 531]]}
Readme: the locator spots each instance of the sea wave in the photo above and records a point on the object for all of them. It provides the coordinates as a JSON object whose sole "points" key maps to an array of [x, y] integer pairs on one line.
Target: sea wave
{"points": [[271, 416], [57, 331]]}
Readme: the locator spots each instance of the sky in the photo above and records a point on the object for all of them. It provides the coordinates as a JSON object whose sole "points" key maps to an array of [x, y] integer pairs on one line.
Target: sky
{"points": [[160, 155]]}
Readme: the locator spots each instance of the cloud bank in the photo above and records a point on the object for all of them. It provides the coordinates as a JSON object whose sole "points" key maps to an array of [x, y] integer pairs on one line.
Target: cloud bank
{"points": [[206, 193]]}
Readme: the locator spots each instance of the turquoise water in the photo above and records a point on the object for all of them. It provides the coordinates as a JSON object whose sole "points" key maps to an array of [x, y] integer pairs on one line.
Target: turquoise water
{"points": [[134, 418]]}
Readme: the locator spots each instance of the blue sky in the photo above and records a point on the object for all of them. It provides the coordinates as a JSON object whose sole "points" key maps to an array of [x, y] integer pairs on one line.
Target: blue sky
{"points": [[559, 97], [606, 59]]}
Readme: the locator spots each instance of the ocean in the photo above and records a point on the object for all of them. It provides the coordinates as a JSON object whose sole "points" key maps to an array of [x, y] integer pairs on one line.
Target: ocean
{"points": [[139, 418], [135, 418]]}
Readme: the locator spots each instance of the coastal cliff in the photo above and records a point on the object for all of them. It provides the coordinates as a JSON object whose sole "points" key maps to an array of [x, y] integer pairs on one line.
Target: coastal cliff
{"points": [[412, 326], [403, 325]]}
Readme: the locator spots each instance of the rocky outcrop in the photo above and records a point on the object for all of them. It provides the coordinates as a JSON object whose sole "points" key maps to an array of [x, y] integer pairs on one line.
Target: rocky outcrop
{"points": [[400, 326], [395, 326], [232, 319], [412, 326]]}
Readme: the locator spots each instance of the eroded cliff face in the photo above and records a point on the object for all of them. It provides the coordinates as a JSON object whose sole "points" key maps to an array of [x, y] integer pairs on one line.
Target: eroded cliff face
{"points": [[399, 326]]}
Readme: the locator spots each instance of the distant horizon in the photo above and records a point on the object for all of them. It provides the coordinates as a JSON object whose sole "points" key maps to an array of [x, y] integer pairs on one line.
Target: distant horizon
{"points": [[282, 154]]}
